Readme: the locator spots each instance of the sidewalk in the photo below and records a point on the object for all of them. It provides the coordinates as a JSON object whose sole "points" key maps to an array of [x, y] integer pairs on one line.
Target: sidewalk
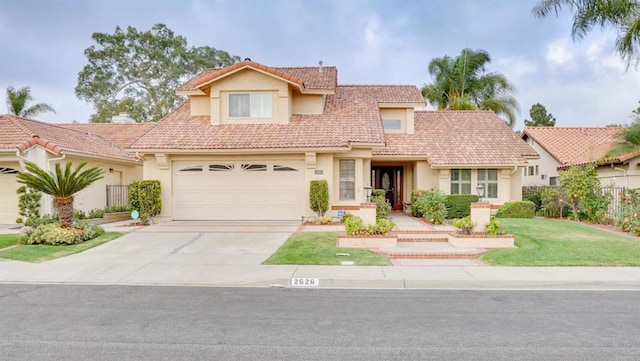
{"points": [[175, 255]]}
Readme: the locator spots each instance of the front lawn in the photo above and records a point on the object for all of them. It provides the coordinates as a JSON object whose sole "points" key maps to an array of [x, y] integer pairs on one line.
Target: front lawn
{"points": [[41, 253], [319, 248], [7, 240], [549, 242]]}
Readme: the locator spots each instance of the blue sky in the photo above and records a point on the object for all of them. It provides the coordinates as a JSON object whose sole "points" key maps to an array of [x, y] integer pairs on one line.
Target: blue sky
{"points": [[371, 42]]}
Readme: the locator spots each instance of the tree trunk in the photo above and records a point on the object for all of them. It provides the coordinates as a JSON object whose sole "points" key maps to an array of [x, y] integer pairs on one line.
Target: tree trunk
{"points": [[64, 206]]}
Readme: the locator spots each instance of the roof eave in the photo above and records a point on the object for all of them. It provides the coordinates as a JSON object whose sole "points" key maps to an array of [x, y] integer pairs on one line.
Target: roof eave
{"points": [[190, 92]]}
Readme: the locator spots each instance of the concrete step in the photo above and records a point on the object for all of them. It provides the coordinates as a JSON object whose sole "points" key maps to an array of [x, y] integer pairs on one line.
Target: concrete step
{"points": [[429, 250], [425, 237]]}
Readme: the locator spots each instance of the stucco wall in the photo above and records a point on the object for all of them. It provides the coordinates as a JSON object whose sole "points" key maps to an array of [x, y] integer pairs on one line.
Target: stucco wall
{"points": [[200, 105], [547, 165], [307, 104]]}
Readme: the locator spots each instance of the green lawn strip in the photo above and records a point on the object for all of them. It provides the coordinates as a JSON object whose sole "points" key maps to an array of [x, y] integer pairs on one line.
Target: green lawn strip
{"points": [[548, 242], [41, 253], [319, 248], [7, 240]]}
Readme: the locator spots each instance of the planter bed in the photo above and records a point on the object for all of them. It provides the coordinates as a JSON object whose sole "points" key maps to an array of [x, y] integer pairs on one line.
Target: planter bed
{"points": [[367, 241], [481, 240]]}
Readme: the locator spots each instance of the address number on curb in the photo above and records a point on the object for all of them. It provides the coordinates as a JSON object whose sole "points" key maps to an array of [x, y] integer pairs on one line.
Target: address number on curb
{"points": [[305, 282]]}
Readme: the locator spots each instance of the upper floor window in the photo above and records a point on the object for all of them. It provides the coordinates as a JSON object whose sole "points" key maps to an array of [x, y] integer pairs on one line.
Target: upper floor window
{"points": [[489, 179], [392, 124], [461, 181], [250, 105]]}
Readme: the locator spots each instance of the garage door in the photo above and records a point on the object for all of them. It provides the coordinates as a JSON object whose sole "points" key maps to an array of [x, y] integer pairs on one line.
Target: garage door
{"points": [[238, 190], [8, 196]]}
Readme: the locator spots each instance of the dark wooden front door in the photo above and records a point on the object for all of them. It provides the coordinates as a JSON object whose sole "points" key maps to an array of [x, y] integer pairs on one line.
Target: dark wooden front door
{"points": [[389, 179]]}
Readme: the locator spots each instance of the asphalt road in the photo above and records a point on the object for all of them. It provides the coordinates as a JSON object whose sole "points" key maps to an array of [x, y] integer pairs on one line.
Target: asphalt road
{"points": [[57, 322]]}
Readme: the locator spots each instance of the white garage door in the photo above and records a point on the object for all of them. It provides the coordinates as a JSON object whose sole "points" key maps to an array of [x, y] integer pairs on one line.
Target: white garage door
{"points": [[8, 196], [237, 190]]}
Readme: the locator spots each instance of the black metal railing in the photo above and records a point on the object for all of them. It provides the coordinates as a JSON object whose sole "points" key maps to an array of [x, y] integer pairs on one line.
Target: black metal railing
{"points": [[117, 195]]}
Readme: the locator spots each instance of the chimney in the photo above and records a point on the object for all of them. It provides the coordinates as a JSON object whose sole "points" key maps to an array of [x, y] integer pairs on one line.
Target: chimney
{"points": [[320, 66], [122, 118]]}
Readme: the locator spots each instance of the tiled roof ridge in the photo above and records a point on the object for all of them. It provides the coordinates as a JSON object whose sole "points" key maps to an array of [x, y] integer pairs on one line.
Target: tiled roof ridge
{"points": [[572, 127], [248, 63], [372, 85]]}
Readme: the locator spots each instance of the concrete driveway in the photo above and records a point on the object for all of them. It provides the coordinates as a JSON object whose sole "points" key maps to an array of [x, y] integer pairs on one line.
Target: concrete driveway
{"points": [[224, 253]]}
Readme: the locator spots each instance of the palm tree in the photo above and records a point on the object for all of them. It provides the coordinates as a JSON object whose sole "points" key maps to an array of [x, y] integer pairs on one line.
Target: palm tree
{"points": [[61, 185], [461, 83], [17, 102], [623, 15]]}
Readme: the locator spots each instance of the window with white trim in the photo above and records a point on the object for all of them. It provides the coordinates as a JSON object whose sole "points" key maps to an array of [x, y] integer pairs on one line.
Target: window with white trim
{"points": [[251, 105], [347, 179], [461, 181], [489, 179]]}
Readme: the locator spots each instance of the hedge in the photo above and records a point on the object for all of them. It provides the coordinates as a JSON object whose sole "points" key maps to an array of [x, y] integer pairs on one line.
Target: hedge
{"points": [[459, 205], [319, 196], [144, 196], [517, 209]]}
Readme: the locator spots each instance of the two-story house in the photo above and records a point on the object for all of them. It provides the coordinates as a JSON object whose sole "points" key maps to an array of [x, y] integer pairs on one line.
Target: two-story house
{"points": [[251, 138]]}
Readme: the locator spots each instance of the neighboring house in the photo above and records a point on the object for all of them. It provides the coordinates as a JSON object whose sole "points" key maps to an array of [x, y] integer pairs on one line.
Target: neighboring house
{"points": [[562, 147], [46, 144], [251, 138]]}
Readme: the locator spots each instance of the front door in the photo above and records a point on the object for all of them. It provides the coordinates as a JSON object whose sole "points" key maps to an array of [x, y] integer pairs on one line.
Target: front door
{"points": [[389, 179]]}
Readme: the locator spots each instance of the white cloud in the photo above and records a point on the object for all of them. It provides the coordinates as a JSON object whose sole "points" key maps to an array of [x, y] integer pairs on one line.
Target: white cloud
{"points": [[515, 67], [559, 54]]}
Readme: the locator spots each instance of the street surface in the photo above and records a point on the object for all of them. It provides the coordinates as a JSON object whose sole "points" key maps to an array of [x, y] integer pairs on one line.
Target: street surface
{"points": [[65, 322]]}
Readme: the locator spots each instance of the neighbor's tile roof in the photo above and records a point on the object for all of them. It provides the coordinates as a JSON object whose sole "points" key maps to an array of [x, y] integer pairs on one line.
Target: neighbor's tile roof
{"points": [[351, 115], [465, 138], [121, 135], [306, 77], [576, 145], [18, 133]]}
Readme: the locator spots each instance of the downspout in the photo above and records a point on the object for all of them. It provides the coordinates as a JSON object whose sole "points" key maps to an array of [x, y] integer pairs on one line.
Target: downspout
{"points": [[624, 172]]}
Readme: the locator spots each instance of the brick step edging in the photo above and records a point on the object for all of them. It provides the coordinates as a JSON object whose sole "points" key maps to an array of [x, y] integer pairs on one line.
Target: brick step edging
{"points": [[421, 240], [430, 255]]}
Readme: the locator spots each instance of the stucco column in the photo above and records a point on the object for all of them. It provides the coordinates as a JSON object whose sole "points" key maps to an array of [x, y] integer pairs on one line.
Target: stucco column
{"points": [[480, 216]]}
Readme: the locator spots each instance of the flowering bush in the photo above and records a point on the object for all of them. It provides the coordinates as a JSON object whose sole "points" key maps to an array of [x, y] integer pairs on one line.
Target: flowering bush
{"points": [[431, 205], [55, 235], [353, 226], [628, 220]]}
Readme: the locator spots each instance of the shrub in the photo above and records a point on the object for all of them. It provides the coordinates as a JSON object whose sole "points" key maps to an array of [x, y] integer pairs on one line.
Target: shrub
{"points": [[415, 194], [459, 205], [628, 220], [494, 227], [28, 203], [46, 219], [116, 209], [595, 208], [79, 214], [517, 209], [345, 217], [144, 196], [465, 225], [96, 213], [353, 226], [54, 234], [323, 220], [383, 207], [431, 205], [319, 196]]}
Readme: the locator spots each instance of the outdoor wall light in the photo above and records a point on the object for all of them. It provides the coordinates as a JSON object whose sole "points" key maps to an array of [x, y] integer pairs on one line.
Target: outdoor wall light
{"points": [[480, 191], [367, 193]]}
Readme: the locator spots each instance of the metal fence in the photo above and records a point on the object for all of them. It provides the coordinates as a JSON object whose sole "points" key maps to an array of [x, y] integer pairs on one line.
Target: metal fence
{"points": [[615, 194], [117, 195]]}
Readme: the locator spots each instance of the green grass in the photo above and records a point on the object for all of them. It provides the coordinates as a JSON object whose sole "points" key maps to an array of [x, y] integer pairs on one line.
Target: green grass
{"points": [[41, 253], [7, 240], [319, 248], [546, 242]]}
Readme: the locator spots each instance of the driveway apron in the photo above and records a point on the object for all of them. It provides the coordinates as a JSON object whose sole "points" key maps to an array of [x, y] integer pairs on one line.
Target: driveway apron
{"points": [[173, 253]]}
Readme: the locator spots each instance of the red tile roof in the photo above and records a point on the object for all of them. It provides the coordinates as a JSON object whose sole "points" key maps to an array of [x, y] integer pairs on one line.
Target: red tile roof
{"points": [[121, 135], [465, 138], [20, 134], [351, 115], [576, 145], [305, 77]]}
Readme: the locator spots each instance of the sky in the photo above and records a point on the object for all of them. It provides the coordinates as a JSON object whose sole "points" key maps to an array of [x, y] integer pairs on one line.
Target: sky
{"points": [[582, 83]]}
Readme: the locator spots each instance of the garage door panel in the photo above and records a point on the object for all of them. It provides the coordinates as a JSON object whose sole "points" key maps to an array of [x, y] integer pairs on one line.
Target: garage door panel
{"points": [[8, 196], [255, 190]]}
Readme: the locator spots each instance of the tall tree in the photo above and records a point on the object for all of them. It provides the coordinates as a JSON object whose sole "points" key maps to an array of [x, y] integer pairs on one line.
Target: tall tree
{"points": [[18, 103], [62, 185], [462, 83], [539, 117], [138, 72], [622, 15]]}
